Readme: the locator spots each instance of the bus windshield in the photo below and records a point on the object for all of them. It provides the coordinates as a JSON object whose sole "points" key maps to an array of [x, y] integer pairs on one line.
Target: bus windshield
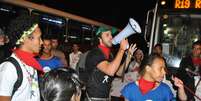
{"points": [[177, 33]]}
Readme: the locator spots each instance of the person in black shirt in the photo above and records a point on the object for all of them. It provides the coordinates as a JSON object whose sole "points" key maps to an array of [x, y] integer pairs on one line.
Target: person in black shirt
{"points": [[189, 70], [102, 67]]}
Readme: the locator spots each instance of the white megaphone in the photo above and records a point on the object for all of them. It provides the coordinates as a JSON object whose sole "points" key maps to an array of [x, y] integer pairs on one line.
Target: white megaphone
{"points": [[131, 28]]}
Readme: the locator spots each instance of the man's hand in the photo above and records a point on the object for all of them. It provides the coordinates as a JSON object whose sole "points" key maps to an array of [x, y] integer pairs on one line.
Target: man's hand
{"points": [[124, 44]]}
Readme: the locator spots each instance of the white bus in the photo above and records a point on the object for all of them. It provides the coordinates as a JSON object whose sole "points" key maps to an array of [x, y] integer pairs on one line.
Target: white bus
{"points": [[175, 24]]}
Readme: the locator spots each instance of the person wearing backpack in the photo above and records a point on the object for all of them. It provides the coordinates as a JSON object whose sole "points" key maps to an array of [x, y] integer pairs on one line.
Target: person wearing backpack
{"points": [[101, 65], [18, 74]]}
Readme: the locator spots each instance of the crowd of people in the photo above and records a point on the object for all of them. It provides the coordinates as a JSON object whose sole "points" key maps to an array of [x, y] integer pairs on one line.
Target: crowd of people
{"points": [[40, 71]]}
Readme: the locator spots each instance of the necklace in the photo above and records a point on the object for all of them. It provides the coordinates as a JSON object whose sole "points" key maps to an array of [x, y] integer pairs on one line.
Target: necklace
{"points": [[32, 78]]}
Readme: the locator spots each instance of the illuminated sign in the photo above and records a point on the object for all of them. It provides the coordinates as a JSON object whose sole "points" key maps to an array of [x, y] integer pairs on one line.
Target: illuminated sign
{"points": [[185, 4]]}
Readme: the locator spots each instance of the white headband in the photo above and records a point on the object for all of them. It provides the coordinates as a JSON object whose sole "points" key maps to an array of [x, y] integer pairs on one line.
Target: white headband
{"points": [[26, 33]]}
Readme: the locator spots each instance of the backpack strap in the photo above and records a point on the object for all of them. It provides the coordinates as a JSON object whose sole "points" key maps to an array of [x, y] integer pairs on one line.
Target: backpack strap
{"points": [[19, 74]]}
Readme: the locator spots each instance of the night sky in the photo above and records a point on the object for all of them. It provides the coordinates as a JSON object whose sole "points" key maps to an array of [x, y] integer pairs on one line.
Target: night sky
{"points": [[112, 12]]}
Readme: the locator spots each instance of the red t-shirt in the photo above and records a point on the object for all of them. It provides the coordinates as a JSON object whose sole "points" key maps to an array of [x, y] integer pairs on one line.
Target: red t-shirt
{"points": [[197, 61]]}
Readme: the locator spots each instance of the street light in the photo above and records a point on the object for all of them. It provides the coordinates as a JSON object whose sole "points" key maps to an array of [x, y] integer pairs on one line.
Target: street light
{"points": [[163, 2]]}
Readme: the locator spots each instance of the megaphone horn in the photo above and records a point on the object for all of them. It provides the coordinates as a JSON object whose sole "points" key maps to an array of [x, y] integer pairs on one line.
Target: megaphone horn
{"points": [[131, 28]]}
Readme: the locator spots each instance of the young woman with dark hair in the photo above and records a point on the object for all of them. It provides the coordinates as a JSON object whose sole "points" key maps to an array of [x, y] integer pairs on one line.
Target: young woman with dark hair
{"points": [[149, 87]]}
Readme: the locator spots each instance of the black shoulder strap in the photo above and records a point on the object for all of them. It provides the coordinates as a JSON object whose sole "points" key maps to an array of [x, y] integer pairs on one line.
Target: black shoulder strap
{"points": [[19, 74]]}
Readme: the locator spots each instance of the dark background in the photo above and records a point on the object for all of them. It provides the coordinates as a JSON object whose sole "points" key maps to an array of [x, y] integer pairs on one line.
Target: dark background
{"points": [[111, 12]]}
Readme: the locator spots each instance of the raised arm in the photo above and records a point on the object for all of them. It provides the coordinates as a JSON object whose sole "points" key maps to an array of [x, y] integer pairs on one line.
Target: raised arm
{"points": [[110, 68], [181, 91], [125, 64]]}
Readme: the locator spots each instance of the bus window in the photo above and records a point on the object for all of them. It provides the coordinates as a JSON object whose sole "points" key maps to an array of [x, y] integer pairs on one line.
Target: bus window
{"points": [[74, 31], [51, 25], [179, 32], [9, 12], [148, 25], [81, 33], [87, 34], [176, 33]]}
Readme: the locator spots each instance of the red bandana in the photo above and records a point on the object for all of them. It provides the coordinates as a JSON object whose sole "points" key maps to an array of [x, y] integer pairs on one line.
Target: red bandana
{"points": [[146, 86], [28, 58], [105, 50]]}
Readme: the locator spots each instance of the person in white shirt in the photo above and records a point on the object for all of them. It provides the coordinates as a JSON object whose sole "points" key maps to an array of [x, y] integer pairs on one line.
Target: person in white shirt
{"points": [[25, 35], [74, 56]]}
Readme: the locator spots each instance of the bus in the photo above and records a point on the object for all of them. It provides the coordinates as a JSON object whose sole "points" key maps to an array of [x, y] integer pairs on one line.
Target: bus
{"points": [[176, 24], [67, 27]]}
